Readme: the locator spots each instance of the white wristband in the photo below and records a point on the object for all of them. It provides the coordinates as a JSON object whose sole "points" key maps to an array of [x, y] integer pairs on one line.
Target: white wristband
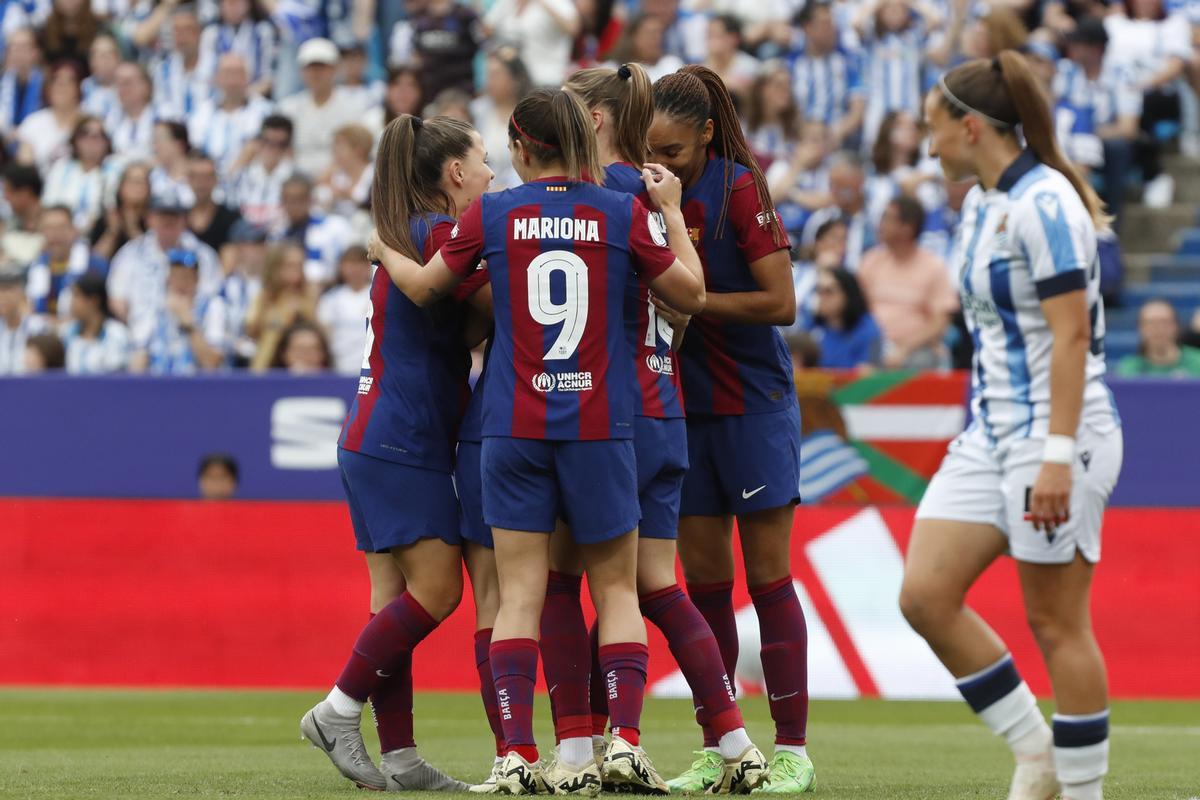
{"points": [[1059, 449]]}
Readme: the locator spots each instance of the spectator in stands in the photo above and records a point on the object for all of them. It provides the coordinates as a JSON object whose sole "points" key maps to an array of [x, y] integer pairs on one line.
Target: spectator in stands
{"points": [[217, 478], [541, 30], [302, 350], [95, 342], [506, 82], [259, 187], [286, 298], [999, 29], [895, 35], [45, 135], [352, 75], [100, 87], [225, 124], [22, 239], [941, 221], [125, 219], [846, 332], [1191, 337], [772, 118], [908, 291], [402, 95], [171, 148], [137, 279], [446, 37], [69, 32], [180, 86], [685, 30], [17, 324], [343, 308], [1159, 352], [321, 109], [827, 76], [847, 179], [209, 220], [80, 181], [242, 262], [644, 41], [21, 84], [1108, 94], [188, 330], [1154, 47], [131, 124], [345, 188], [450, 103], [64, 258], [727, 58], [324, 238], [44, 352], [799, 184], [238, 32], [897, 168]]}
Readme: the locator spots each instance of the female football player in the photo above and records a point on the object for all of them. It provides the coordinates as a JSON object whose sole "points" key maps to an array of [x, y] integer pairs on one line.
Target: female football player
{"points": [[1032, 474], [743, 419]]}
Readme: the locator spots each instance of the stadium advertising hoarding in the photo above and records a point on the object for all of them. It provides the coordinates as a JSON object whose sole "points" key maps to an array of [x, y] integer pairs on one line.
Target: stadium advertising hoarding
{"points": [[270, 594], [868, 440]]}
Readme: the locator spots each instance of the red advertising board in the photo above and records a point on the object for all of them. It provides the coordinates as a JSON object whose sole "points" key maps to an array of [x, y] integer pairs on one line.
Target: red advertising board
{"points": [[165, 593]]}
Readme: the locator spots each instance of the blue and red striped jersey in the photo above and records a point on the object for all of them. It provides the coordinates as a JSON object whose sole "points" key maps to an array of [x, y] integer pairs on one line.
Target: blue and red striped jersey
{"points": [[727, 367], [413, 386], [560, 254], [649, 336]]}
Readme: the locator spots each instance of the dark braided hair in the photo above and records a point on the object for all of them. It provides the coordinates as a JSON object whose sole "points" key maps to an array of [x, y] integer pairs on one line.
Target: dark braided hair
{"points": [[696, 94]]}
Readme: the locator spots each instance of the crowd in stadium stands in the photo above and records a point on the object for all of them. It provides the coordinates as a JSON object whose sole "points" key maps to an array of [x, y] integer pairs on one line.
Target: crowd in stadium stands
{"points": [[186, 187]]}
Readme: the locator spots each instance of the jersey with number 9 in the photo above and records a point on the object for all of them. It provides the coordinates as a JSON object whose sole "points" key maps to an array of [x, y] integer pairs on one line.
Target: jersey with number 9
{"points": [[560, 255]]}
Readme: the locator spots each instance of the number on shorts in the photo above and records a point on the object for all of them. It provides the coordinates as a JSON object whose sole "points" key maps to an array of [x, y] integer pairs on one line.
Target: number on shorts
{"points": [[657, 327], [572, 312]]}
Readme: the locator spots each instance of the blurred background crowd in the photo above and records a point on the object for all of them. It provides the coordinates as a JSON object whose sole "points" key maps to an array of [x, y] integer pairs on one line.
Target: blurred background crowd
{"points": [[186, 186]]}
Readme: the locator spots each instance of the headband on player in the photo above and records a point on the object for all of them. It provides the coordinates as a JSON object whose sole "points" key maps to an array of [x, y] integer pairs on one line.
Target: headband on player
{"points": [[949, 95], [538, 142]]}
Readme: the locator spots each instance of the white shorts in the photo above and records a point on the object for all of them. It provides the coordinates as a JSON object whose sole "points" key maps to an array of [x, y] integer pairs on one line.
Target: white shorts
{"points": [[986, 485]]}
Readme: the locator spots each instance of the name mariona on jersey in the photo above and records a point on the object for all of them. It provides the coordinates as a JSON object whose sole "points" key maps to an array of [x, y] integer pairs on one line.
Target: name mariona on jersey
{"points": [[581, 230]]}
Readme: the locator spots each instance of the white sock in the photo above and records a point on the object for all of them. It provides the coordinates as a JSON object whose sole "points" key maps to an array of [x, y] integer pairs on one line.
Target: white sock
{"points": [[1030, 735], [798, 749], [343, 704], [1092, 790], [403, 757], [496, 760], [1081, 754], [716, 750], [576, 751], [734, 743]]}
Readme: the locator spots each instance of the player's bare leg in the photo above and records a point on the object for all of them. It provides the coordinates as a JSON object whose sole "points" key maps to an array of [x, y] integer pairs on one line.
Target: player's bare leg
{"points": [[945, 558], [766, 553], [1057, 606], [387, 579]]}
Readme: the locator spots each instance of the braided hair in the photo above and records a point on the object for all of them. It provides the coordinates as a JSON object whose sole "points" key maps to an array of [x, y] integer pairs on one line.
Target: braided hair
{"points": [[696, 94]]}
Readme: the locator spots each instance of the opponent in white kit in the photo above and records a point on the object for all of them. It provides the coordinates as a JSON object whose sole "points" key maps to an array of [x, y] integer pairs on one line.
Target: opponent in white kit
{"points": [[1034, 470]]}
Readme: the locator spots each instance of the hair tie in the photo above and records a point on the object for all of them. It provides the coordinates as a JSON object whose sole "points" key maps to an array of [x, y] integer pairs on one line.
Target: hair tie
{"points": [[538, 142], [997, 67], [624, 72], [417, 123]]}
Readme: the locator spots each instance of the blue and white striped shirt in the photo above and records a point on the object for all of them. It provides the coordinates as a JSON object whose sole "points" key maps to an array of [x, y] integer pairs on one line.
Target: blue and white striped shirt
{"points": [[178, 93], [253, 41], [825, 85], [1112, 95], [894, 73], [1029, 239], [223, 133]]}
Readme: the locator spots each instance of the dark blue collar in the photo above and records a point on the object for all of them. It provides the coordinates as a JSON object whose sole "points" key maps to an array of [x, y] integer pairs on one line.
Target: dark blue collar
{"points": [[1017, 170]]}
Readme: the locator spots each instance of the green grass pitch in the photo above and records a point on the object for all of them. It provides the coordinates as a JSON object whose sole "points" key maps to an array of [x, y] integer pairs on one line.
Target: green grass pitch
{"points": [[125, 744]]}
